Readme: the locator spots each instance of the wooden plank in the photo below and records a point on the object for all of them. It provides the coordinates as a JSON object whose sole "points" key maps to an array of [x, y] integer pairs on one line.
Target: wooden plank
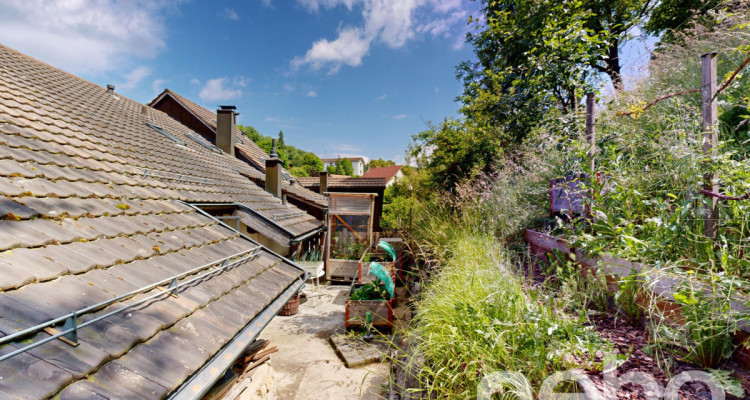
{"points": [[52, 331], [591, 127], [265, 352], [710, 140]]}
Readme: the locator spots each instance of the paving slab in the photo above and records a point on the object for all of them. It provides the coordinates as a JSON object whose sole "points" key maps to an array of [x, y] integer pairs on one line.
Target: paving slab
{"points": [[355, 352]]}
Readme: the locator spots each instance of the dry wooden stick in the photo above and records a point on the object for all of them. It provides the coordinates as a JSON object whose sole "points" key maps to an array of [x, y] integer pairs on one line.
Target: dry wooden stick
{"points": [[658, 99], [723, 196], [264, 353]]}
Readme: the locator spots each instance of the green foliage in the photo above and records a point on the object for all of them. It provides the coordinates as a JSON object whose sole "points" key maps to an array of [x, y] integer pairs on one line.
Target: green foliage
{"points": [[532, 59], [672, 17], [374, 290], [345, 166], [629, 289], [477, 318], [379, 163], [299, 162], [453, 151]]}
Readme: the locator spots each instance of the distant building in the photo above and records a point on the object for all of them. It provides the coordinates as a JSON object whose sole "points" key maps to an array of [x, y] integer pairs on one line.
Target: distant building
{"points": [[391, 173], [358, 163]]}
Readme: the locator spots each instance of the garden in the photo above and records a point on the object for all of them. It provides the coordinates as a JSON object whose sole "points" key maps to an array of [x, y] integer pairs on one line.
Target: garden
{"points": [[646, 271]]}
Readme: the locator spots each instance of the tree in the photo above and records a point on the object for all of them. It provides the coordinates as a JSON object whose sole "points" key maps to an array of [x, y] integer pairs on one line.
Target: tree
{"points": [[532, 58], [379, 163], [344, 166], [612, 19], [671, 17], [280, 141], [452, 151]]}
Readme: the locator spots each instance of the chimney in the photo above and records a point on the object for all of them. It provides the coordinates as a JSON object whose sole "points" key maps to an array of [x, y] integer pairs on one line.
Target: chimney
{"points": [[323, 182], [110, 88], [273, 172], [226, 119], [144, 109], [283, 200]]}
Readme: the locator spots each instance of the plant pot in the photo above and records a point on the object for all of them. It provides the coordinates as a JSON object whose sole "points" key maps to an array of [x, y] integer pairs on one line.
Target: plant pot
{"points": [[291, 307]]}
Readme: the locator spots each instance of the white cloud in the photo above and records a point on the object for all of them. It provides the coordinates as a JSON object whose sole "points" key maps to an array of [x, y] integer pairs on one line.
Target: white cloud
{"points": [[230, 14], [134, 77], [347, 148], [314, 5], [195, 81], [399, 116], [268, 3], [391, 22], [222, 89], [157, 84], [348, 48], [289, 87], [85, 36], [381, 97], [312, 93]]}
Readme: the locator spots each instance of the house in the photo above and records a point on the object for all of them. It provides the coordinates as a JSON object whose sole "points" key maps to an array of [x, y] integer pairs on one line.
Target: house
{"points": [[115, 282], [358, 163], [347, 184], [391, 173], [222, 132]]}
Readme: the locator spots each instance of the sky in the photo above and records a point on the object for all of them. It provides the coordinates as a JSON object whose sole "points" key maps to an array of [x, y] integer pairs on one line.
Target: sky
{"points": [[338, 77]]}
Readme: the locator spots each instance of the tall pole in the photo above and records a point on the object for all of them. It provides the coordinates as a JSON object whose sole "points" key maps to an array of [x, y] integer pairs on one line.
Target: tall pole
{"points": [[710, 141], [591, 127]]}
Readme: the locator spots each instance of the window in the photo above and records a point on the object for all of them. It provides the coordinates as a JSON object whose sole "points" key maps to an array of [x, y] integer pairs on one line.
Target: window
{"points": [[165, 133], [203, 142]]}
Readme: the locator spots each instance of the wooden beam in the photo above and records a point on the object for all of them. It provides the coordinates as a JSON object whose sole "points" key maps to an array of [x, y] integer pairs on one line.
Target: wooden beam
{"points": [[710, 141], [350, 228]]}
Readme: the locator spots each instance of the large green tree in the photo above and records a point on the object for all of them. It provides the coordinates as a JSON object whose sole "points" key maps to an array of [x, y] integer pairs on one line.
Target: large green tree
{"points": [[532, 57], [612, 20], [671, 17]]}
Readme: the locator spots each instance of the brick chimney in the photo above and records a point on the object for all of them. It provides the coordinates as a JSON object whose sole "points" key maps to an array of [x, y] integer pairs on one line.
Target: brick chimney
{"points": [[226, 119], [323, 182], [273, 172]]}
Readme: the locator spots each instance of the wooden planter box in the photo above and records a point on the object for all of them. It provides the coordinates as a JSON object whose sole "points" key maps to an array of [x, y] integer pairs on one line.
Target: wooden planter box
{"points": [[340, 270], [659, 293], [356, 312], [364, 266]]}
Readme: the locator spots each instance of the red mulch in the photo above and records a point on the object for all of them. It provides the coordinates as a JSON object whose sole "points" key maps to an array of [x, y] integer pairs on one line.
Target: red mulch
{"points": [[628, 339]]}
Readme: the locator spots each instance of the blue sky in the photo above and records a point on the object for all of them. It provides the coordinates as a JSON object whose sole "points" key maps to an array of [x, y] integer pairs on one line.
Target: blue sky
{"points": [[339, 77]]}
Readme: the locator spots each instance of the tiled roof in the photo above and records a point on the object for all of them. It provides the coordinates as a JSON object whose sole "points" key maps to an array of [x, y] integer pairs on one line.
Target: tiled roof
{"points": [[343, 183], [247, 148], [92, 208], [382, 172]]}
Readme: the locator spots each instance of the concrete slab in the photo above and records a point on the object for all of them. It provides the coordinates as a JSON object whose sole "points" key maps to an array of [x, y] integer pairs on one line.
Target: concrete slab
{"points": [[355, 352]]}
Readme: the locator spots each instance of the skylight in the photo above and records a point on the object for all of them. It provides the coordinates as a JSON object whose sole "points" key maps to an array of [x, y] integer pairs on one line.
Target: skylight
{"points": [[239, 139], [203, 142], [165, 133]]}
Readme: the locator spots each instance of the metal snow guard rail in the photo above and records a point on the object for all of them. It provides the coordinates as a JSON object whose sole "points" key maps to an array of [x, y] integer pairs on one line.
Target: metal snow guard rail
{"points": [[155, 173], [70, 327]]}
